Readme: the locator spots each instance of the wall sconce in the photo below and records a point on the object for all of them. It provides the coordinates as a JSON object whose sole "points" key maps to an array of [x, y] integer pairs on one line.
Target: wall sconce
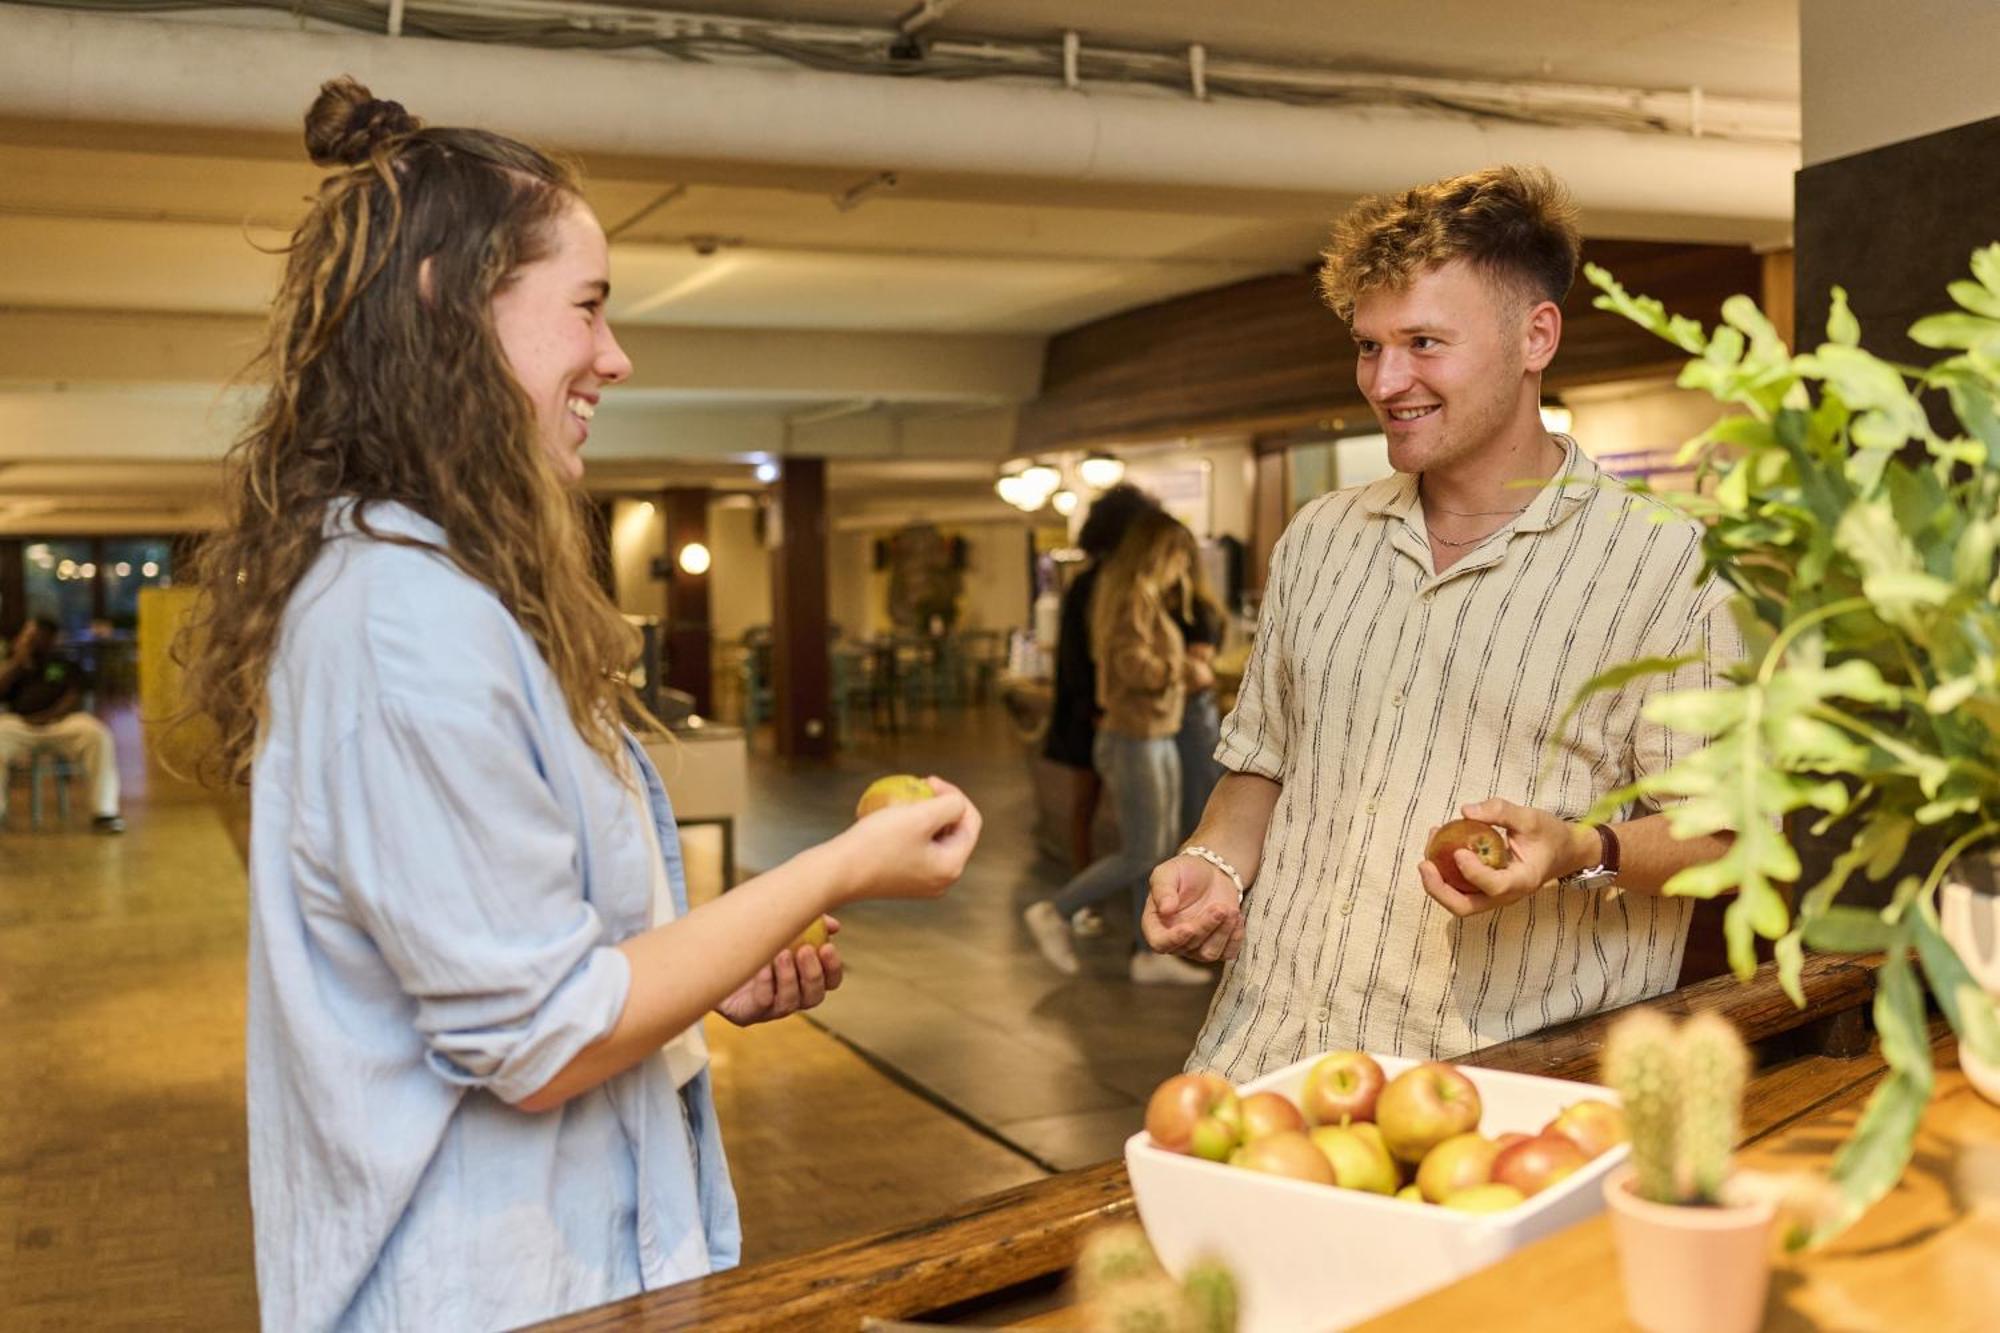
{"points": [[1101, 472], [1063, 502], [694, 558]]}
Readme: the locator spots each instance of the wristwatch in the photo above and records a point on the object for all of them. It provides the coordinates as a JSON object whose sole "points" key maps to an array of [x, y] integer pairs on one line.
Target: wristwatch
{"points": [[1602, 875]]}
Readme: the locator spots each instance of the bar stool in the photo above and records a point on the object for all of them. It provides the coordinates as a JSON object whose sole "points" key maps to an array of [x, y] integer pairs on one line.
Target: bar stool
{"points": [[47, 762]]}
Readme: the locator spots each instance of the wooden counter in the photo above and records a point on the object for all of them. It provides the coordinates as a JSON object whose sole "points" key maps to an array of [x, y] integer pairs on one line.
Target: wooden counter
{"points": [[975, 1264], [1926, 1257]]}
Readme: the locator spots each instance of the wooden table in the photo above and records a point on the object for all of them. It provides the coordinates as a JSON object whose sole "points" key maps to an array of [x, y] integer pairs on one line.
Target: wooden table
{"points": [[1926, 1257], [996, 1261]]}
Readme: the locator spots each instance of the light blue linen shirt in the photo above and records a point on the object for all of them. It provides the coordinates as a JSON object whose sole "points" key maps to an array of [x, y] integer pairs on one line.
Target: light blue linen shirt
{"points": [[439, 868]]}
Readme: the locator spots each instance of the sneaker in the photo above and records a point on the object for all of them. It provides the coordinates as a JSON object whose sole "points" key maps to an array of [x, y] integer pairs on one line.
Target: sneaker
{"points": [[1163, 969], [1087, 924], [108, 824], [1051, 934]]}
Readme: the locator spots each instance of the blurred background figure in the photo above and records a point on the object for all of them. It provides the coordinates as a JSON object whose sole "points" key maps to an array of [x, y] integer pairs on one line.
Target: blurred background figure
{"points": [[1141, 676], [42, 692]]}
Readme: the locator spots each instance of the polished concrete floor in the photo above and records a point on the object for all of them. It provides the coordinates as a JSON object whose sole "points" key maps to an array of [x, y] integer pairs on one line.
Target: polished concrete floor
{"points": [[957, 1063]]}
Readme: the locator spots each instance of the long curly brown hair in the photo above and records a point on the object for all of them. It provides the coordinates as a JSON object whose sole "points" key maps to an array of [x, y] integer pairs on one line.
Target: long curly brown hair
{"points": [[386, 381]]}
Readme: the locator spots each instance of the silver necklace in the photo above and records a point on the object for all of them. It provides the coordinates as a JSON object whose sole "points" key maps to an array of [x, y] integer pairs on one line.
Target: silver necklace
{"points": [[1478, 513], [1469, 541]]}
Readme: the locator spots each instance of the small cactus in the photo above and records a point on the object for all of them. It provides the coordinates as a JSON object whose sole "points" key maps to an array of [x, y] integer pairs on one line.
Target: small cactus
{"points": [[1713, 1067], [1640, 1062], [1683, 1095]]}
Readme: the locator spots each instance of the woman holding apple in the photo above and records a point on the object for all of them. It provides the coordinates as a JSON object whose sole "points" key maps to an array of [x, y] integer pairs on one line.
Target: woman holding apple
{"points": [[1142, 680], [477, 1096]]}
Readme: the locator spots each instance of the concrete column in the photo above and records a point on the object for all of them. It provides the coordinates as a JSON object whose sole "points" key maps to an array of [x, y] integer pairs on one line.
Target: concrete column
{"points": [[689, 640], [802, 668]]}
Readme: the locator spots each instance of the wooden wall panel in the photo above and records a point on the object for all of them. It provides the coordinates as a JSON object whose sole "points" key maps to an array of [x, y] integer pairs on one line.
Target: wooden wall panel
{"points": [[1265, 354]]}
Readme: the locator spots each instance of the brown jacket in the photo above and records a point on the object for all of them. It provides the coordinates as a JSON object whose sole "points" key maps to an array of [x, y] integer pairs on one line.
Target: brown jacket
{"points": [[1141, 679]]}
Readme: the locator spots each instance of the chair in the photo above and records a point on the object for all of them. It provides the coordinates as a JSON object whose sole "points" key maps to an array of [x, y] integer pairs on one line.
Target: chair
{"points": [[46, 760]]}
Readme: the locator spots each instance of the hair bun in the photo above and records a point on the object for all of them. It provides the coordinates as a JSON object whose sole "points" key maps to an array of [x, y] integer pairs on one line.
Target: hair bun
{"points": [[346, 122]]}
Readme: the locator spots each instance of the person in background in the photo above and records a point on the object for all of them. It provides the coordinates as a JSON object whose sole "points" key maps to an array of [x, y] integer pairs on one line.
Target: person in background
{"points": [[1202, 624], [1142, 674], [1073, 714], [42, 693], [477, 1092]]}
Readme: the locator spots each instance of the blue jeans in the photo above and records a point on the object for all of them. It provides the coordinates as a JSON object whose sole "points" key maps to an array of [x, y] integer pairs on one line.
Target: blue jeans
{"points": [[1200, 733], [1145, 781]]}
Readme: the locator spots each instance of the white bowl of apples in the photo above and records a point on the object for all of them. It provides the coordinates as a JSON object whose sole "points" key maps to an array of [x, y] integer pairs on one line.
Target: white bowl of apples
{"points": [[1349, 1183]]}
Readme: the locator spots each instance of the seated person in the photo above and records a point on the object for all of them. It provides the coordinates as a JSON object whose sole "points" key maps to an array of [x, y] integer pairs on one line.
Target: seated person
{"points": [[42, 694]]}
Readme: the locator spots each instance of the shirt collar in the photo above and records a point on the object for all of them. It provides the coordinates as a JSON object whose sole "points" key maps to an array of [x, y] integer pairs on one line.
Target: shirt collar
{"points": [[1571, 485], [390, 517]]}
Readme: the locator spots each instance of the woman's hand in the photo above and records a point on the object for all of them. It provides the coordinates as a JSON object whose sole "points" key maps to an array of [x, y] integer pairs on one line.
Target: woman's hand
{"points": [[916, 850], [796, 979], [1199, 675]]}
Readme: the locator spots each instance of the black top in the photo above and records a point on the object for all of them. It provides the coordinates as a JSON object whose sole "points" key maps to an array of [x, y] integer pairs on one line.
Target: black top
{"points": [[40, 688], [1073, 717], [1204, 626]]}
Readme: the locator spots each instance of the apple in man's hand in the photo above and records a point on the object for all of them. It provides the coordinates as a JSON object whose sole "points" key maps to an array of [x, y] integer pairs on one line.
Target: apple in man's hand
{"points": [[1341, 1088], [1484, 841]]}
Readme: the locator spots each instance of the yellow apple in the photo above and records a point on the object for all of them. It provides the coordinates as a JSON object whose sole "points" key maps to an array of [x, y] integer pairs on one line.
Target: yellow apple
{"points": [[812, 936], [896, 789]]}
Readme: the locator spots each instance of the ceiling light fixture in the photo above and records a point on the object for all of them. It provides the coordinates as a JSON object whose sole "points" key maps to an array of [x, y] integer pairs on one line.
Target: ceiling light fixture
{"points": [[1101, 472]]}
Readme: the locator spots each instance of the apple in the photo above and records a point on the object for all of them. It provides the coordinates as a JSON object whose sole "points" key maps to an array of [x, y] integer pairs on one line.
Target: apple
{"points": [[1423, 1106], [1411, 1194], [1493, 1198], [1359, 1161], [896, 789], [1594, 1126], [1196, 1113], [1484, 841], [1538, 1163], [1512, 1137], [1459, 1163], [1342, 1087], [812, 936], [1267, 1113], [1286, 1153]]}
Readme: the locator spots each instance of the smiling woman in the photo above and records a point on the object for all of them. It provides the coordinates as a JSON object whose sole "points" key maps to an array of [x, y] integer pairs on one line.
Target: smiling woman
{"points": [[458, 851]]}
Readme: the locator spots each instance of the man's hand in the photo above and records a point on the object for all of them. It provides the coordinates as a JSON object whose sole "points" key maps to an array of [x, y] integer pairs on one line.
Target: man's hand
{"points": [[1191, 910], [796, 979], [1543, 848]]}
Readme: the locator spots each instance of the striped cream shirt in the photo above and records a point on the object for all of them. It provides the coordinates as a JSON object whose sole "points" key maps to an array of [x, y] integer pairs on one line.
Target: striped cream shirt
{"points": [[1383, 696]]}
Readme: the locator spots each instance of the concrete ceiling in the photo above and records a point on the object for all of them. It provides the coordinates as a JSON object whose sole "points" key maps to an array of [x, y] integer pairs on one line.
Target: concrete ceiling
{"points": [[768, 306]]}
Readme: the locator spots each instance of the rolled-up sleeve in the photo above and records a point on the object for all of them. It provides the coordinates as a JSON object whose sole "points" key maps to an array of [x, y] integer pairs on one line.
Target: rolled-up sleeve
{"points": [[452, 853], [1256, 736]]}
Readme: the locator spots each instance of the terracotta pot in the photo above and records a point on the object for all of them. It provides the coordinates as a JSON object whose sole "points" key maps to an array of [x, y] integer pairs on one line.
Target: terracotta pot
{"points": [[1970, 920], [1690, 1270]]}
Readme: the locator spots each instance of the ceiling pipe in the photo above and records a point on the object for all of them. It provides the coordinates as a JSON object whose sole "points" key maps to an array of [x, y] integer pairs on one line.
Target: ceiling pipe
{"points": [[69, 66]]}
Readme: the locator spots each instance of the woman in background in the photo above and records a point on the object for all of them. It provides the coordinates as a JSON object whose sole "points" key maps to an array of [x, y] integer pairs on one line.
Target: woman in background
{"points": [[477, 1092], [1142, 668]]}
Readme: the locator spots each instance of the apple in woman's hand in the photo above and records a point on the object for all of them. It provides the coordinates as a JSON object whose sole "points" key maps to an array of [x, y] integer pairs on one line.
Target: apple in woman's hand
{"points": [[896, 789]]}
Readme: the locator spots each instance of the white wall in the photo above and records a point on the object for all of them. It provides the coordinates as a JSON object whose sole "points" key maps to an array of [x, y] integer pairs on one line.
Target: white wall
{"points": [[739, 579], [1231, 473], [638, 534], [1875, 73], [996, 577], [1655, 417]]}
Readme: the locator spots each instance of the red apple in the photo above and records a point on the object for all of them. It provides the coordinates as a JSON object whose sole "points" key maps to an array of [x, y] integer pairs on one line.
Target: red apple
{"points": [[1268, 1113], [1494, 1198], [1196, 1113], [1342, 1087], [1459, 1163], [1359, 1160], [1286, 1153], [1538, 1163], [1423, 1106], [1594, 1126], [1484, 841], [1512, 1137]]}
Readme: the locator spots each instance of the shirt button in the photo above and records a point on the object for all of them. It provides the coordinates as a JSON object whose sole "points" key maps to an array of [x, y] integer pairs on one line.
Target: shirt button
{"points": [[1347, 906], [1370, 806], [1322, 1014], [1396, 699]]}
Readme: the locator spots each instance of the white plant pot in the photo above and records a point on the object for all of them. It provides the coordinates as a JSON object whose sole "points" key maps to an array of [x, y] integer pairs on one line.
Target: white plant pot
{"points": [[1971, 923]]}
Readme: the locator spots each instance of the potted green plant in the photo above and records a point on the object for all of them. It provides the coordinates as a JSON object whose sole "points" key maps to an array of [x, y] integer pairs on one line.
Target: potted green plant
{"points": [[1693, 1257], [1861, 542]]}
